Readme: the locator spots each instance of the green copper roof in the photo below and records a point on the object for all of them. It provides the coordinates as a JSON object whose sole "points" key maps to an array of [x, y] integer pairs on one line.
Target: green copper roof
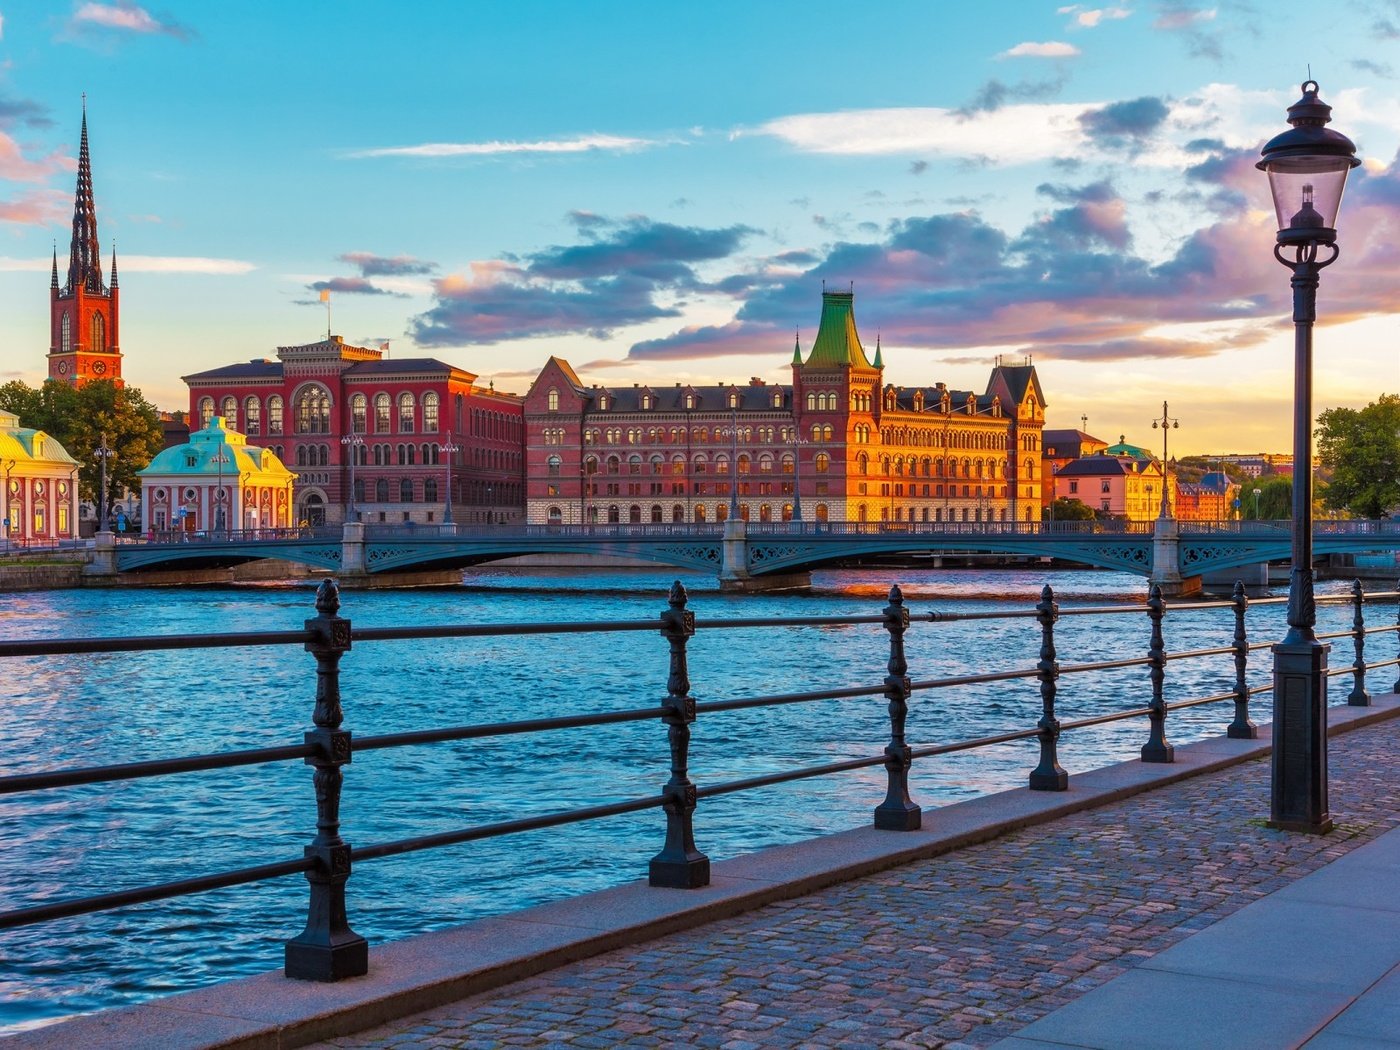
{"points": [[838, 343], [219, 451], [1125, 449]]}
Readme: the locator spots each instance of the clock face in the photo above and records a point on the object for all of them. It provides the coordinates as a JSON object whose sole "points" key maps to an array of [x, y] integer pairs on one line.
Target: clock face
{"points": [[99, 367], [62, 367]]}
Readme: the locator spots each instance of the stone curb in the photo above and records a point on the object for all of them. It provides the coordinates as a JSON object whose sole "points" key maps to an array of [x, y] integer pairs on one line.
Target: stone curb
{"points": [[270, 1012]]}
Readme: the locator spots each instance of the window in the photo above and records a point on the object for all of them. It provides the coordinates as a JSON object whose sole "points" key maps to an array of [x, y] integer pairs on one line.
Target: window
{"points": [[553, 398], [1104, 487], [553, 464], [822, 462], [313, 410], [430, 493], [689, 403], [206, 412], [646, 406], [65, 337], [381, 413], [406, 407], [406, 490], [431, 404], [381, 491], [1074, 486], [274, 414], [252, 416], [733, 399], [99, 334]]}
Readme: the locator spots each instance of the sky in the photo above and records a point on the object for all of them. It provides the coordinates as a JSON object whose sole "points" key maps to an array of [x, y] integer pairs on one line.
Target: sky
{"points": [[656, 192]]}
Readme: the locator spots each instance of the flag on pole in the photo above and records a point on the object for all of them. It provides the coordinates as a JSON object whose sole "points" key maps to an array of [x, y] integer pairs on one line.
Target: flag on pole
{"points": [[325, 295]]}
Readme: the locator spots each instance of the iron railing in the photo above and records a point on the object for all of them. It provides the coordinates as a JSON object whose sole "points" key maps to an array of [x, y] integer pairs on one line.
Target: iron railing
{"points": [[328, 949]]}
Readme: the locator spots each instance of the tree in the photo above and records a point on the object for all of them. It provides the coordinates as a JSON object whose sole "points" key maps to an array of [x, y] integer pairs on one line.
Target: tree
{"points": [[1361, 447], [1064, 509], [79, 416]]}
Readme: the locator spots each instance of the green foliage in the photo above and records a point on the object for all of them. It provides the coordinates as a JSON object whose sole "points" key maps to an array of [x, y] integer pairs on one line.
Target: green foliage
{"points": [[1065, 509], [1361, 449], [1275, 498], [79, 416]]}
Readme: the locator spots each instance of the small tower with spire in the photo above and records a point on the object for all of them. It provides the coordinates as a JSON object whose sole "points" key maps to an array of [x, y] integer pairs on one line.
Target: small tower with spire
{"points": [[83, 312]]}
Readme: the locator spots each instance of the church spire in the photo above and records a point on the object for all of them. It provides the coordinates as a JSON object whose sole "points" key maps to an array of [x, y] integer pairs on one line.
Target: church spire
{"points": [[879, 363], [53, 279], [84, 256], [114, 264], [797, 347]]}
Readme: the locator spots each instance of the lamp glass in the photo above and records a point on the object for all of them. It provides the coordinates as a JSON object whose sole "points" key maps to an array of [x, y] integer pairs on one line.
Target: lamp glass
{"points": [[1307, 190]]}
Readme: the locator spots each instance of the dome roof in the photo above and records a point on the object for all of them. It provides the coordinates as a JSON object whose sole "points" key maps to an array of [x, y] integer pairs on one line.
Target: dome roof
{"points": [[217, 450]]}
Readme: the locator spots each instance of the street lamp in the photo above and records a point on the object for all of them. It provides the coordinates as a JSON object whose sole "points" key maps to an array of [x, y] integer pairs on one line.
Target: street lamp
{"points": [[353, 443], [1307, 168], [102, 454], [1166, 423], [733, 465], [1256, 503], [797, 443], [448, 449]]}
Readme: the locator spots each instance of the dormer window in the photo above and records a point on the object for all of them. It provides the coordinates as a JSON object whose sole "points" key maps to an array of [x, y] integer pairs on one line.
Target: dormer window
{"points": [[603, 403], [777, 399], [553, 397], [646, 402], [733, 399], [689, 400]]}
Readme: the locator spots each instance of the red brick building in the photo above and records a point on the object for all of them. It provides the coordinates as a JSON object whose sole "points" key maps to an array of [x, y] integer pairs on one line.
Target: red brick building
{"points": [[317, 402], [83, 316], [850, 446]]}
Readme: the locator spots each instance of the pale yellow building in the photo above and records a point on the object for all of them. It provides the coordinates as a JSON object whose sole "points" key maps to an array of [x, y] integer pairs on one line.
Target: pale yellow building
{"points": [[41, 486]]}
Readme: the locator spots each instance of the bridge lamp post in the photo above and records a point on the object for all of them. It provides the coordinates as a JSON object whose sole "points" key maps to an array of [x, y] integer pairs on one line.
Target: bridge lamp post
{"points": [[448, 451], [734, 465], [1166, 423], [353, 443], [1307, 168], [1257, 493], [102, 453], [797, 443]]}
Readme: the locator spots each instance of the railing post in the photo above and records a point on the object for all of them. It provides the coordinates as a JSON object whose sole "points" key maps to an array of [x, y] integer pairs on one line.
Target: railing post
{"points": [[1243, 727], [898, 812], [1397, 636], [1157, 749], [679, 865], [328, 949], [1048, 776], [1358, 697]]}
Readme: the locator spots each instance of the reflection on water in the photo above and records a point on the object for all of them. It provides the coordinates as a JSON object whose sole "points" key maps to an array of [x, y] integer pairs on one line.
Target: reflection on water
{"points": [[126, 707]]}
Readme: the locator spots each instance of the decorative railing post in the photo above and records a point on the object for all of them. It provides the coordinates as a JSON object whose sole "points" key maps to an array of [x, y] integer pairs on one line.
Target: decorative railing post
{"points": [[1358, 697], [1048, 776], [327, 949], [1243, 727], [898, 812], [679, 865], [1397, 638], [1157, 749]]}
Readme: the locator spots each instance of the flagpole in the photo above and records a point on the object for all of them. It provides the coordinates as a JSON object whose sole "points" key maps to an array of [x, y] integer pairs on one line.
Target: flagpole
{"points": [[326, 298]]}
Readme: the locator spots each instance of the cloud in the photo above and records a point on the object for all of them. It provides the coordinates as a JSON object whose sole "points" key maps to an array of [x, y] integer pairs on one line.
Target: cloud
{"points": [[1088, 18], [16, 167], [371, 265], [918, 167], [35, 208], [1070, 284], [1182, 16], [125, 17], [22, 110], [1188, 22], [994, 94], [351, 286], [1379, 69], [1048, 49], [184, 264], [1124, 125], [578, 144], [609, 279]]}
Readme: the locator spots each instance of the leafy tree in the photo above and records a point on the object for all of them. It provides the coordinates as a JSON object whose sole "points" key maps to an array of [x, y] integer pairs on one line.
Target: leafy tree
{"points": [[1361, 448], [79, 416], [1065, 509], [1275, 498]]}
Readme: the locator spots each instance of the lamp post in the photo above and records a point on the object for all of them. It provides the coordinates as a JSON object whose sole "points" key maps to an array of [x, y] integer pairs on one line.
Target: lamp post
{"points": [[353, 443], [1166, 423], [1256, 503], [1307, 168], [219, 462], [797, 443], [448, 450], [734, 465], [9, 466], [102, 454]]}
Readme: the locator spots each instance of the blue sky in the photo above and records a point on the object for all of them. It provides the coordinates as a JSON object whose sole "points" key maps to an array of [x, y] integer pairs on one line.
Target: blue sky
{"points": [[657, 191]]}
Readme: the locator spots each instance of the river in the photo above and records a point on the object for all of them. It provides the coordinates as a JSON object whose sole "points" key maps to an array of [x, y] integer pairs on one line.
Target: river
{"points": [[93, 710]]}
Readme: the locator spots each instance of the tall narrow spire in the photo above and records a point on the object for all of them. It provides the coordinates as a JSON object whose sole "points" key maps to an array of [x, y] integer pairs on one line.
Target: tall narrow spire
{"points": [[114, 264], [879, 363], [84, 255], [53, 280], [797, 347]]}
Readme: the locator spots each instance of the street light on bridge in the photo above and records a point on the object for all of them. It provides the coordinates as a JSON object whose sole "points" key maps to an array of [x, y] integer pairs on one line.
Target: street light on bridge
{"points": [[1166, 423], [353, 443], [1307, 168], [448, 451], [102, 454]]}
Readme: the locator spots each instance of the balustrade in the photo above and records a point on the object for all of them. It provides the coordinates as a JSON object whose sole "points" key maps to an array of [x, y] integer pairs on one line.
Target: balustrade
{"points": [[328, 949]]}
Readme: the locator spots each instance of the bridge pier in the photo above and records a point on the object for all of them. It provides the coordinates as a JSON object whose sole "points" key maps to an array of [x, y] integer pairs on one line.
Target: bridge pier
{"points": [[734, 575], [1166, 561], [104, 556], [352, 552]]}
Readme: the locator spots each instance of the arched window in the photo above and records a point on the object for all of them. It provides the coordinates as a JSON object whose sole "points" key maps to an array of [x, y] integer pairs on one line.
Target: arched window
{"points": [[822, 462], [229, 410], [646, 405], [406, 407], [634, 464], [206, 412], [99, 334], [822, 512], [733, 399], [252, 416], [690, 403], [744, 463], [614, 465], [765, 512], [678, 464], [381, 490], [553, 399], [811, 402], [431, 403], [312, 412], [405, 490], [656, 518], [765, 463], [658, 464], [430, 493], [700, 513], [382, 405], [552, 465], [721, 464], [613, 515], [359, 410], [65, 333], [590, 465], [274, 414], [778, 398]]}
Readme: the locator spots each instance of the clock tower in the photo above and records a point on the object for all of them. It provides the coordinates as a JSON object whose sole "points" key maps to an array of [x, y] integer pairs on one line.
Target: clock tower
{"points": [[83, 319]]}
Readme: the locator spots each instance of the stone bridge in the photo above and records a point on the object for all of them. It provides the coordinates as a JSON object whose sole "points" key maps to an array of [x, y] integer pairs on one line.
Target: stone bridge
{"points": [[749, 556]]}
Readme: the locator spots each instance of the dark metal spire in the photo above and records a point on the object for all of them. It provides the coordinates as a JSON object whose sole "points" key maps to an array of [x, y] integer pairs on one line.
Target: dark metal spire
{"points": [[114, 264], [84, 258], [53, 280]]}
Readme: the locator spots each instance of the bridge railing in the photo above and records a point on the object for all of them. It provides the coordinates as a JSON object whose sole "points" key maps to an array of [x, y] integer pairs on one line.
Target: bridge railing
{"points": [[213, 536], [328, 949]]}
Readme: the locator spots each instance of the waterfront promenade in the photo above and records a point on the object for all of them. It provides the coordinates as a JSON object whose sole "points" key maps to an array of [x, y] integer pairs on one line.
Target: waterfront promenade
{"points": [[1079, 913]]}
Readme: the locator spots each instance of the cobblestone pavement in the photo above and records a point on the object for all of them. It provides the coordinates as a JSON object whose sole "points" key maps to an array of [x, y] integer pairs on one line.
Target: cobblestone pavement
{"points": [[958, 951]]}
